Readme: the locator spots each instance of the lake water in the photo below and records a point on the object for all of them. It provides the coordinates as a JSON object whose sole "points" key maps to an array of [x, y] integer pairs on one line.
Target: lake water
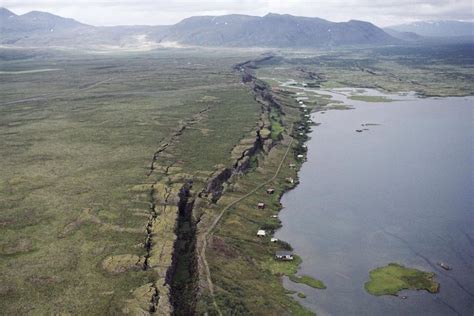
{"points": [[400, 192]]}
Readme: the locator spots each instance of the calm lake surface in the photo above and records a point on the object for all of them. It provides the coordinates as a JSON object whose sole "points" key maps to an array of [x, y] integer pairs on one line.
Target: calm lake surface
{"points": [[400, 192]]}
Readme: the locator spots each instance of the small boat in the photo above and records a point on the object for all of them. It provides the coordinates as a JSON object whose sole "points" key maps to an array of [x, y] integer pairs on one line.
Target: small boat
{"points": [[358, 130], [445, 266]]}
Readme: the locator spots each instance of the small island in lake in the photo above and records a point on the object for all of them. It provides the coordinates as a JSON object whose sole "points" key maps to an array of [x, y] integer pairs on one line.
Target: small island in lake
{"points": [[391, 279]]}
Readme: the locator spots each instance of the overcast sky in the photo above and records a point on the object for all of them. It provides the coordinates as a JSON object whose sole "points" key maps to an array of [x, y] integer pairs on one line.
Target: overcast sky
{"points": [[162, 12]]}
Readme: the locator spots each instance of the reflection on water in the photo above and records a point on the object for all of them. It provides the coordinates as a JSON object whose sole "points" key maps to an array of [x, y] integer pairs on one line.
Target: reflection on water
{"points": [[400, 191]]}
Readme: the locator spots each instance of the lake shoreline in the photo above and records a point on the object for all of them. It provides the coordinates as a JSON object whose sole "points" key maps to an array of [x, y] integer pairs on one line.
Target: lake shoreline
{"points": [[303, 172]]}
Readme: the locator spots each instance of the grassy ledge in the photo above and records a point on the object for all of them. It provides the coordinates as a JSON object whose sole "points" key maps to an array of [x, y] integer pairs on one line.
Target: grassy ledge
{"points": [[391, 279], [370, 98]]}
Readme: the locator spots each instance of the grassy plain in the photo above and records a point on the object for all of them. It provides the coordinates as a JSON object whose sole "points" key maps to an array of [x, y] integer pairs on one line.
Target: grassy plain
{"points": [[76, 148]]}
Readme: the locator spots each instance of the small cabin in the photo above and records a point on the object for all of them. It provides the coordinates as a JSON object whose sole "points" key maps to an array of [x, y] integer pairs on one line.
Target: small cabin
{"points": [[284, 255], [261, 205], [270, 191], [292, 165], [261, 233], [300, 156], [290, 180], [274, 239]]}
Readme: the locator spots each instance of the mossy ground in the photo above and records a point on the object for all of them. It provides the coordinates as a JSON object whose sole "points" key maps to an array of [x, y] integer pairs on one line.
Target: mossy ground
{"points": [[393, 278]]}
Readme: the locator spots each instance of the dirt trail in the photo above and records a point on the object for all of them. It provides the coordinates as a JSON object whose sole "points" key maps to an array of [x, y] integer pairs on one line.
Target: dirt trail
{"points": [[216, 221]]}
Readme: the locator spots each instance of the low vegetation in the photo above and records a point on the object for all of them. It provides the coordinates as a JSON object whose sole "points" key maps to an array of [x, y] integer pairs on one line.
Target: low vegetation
{"points": [[369, 98], [393, 278], [430, 71]]}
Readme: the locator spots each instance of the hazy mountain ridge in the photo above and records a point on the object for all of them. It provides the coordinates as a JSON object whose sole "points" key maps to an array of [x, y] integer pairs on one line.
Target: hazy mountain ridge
{"points": [[436, 28], [35, 21], [274, 30], [405, 36], [42, 29]]}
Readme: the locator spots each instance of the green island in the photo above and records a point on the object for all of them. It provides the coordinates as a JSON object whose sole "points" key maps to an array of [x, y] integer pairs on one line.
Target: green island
{"points": [[393, 278]]}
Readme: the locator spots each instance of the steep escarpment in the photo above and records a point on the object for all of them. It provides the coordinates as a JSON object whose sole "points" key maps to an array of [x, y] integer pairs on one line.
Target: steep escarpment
{"points": [[252, 152], [181, 208], [248, 151]]}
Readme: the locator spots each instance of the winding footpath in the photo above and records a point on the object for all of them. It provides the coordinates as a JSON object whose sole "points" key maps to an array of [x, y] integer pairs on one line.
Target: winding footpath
{"points": [[221, 214]]}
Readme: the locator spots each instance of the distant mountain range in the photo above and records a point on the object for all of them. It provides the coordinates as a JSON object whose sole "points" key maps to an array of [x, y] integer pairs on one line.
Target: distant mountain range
{"points": [[436, 28], [41, 29], [274, 30]]}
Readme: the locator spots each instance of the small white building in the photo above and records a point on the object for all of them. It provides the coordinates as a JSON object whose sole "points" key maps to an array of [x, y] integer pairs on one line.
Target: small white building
{"points": [[274, 239], [284, 255], [261, 233], [300, 156]]}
